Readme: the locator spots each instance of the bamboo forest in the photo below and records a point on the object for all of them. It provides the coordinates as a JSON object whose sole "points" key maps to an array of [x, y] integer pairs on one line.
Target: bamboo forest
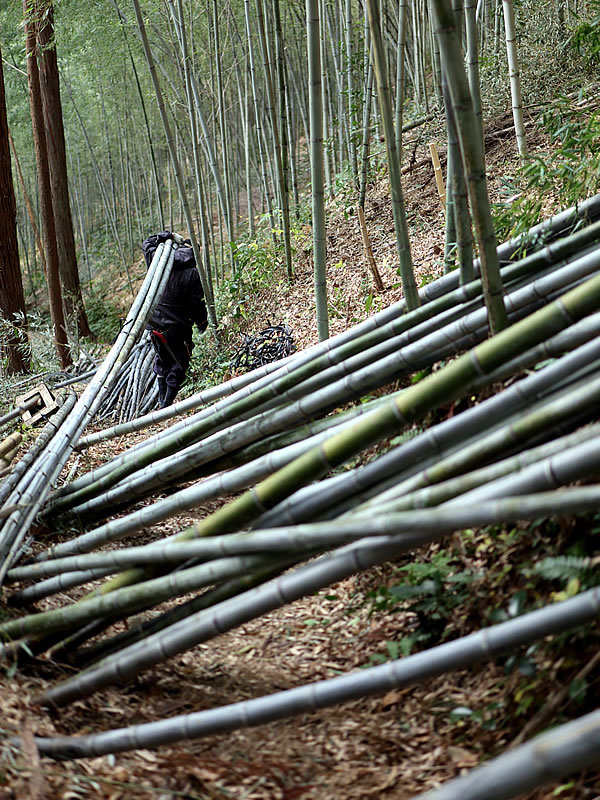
{"points": [[298, 379]]}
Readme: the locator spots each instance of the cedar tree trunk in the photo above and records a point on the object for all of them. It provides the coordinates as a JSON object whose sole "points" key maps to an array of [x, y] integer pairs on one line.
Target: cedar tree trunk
{"points": [[12, 299], [41, 157], [57, 161]]}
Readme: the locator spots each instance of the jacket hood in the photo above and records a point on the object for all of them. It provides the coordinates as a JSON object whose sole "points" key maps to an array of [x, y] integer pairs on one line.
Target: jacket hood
{"points": [[184, 258]]}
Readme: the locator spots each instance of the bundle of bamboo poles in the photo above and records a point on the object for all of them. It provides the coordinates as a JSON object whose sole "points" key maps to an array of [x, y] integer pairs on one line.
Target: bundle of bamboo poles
{"points": [[8, 450], [274, 433], [135, 390], [26, 495]]}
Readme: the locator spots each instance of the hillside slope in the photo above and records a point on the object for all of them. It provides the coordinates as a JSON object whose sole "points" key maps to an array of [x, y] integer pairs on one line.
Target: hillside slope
{"points": [[392, 746]]}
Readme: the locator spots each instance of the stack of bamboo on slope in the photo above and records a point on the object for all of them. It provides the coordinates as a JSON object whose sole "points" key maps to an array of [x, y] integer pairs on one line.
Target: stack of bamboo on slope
{"points": [[497, 461], [220, 437], [559, 395], [36, 475], [309, 386], [232, 562], [545, 232]]}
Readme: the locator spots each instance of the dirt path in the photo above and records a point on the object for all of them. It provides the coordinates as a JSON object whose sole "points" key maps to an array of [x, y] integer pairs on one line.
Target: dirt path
{"points": [[392, 746], [388, 746]]}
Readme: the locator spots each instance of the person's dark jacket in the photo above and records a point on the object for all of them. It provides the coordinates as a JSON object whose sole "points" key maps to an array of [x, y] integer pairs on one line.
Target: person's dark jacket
{"points": [[182, 303]]}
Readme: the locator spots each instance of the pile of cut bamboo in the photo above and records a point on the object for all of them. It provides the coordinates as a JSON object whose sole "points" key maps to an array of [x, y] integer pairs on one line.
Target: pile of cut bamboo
{"points": [[135, 390], [26, 489], [279, 432]]}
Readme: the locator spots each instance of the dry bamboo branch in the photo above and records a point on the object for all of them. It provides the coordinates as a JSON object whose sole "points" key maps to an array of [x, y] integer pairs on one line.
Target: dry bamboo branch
{"points": [[368, 251], [439, 178]]}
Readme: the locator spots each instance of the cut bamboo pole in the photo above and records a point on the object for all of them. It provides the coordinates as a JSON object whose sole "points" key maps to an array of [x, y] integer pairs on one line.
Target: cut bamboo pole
{"points": [[475, 648], [133, 599], [10, 445], [563, 751]]}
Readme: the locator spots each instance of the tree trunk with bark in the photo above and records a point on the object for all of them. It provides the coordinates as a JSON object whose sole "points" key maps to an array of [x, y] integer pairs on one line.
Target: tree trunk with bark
{"points": [[57, 162], [12, 299], [41, 157]]}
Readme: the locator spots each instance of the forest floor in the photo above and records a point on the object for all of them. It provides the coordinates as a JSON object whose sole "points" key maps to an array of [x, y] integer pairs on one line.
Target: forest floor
{"points": [[392, 746]]}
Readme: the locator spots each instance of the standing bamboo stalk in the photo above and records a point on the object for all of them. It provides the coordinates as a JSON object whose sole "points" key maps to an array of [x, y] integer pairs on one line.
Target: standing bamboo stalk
{"points": [[210, 303], [328, 140], [472, 155], [247, 153], [400, 224], [473, 63], [223, 130], [457, 189], [514, 74], [316, 166], [267, 195], [277, 136], [285, 144], [350, 90], [400, 72]]}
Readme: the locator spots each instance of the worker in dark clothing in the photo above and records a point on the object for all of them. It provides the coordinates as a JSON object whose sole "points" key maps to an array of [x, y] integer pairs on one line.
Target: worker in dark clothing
{"points": [[181, 306]]}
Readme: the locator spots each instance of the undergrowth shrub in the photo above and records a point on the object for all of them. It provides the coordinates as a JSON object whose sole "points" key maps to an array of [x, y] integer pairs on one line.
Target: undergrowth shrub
{"points": [[103, 316], [15, 331], [431, 590], [565, 175], [585, 38], [209, 365], [258, 266], [41, 342], [487, 576]]}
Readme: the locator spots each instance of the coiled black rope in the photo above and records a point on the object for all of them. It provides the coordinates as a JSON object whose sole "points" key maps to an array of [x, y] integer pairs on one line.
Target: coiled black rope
{"points": [[268, 345]]}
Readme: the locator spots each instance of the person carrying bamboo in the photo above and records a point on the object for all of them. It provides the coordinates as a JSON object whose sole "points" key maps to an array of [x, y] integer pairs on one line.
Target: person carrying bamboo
{"points": [[181, 307]]}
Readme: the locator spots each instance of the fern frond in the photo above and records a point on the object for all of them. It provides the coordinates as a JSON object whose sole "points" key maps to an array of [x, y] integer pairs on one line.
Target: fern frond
{"points": [[564, 568]]}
